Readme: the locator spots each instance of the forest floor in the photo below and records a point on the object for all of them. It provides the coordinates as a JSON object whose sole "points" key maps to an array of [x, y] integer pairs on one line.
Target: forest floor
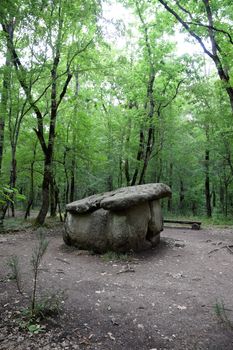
{"points": [[176, 296]]}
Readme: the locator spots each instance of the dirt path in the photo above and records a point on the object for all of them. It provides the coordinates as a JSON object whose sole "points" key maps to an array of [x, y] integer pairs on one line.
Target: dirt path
{"points": [[163, 299]]}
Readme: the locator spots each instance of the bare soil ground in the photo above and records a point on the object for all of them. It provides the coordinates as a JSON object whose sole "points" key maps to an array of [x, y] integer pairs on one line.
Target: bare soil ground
{"points": [[161, 299]]}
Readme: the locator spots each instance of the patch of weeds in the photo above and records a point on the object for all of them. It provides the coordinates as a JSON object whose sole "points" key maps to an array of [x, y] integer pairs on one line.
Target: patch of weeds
{"points": [[35, 328], [221, 312], [38, 308], [16, 224], [32, 326], [37, 256], [45, 307], [49, 223], [215, 220], [113, 256], [48, 305], [13, 264]]}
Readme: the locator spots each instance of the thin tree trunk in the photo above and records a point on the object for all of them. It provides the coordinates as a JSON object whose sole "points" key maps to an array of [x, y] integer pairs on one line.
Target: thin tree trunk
{"points": [[169, 203], [31, 194], [222, 196], [226, 199], [120, 177], [13, 179], [207, 185], [213, 198], [182, 192], [45, 191], [127, 145], [53, 204], [72, 180], [67, 187], [139, 157], [5, 92]]}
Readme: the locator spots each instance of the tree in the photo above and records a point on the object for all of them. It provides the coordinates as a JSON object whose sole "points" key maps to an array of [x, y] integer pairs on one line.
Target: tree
{"points": [[209, 20], [55, 23]]}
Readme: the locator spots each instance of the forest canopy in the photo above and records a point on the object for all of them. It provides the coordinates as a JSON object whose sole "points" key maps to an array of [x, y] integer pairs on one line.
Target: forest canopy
{"points": [[96, 95]]}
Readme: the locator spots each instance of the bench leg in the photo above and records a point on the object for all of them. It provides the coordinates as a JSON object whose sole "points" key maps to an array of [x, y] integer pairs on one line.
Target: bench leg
{"points": [[196, 226]]}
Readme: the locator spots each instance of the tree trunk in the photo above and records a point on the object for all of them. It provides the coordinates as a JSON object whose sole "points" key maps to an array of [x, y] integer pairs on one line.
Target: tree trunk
{"points": [[169, 203], [72, 180], [207, 185], [182, 192], [13, 182], [194, 207], [120, 177], [222, 196], [31, 194], [45, 190], [67, 187], [139, 157], [213, 198], [55, 102], [5, 92], [126, 148], [53, 204], [226, 199]]}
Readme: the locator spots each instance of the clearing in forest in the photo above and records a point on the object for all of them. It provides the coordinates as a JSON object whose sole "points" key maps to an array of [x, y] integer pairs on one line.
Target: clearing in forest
{"points": [[176, 296]]}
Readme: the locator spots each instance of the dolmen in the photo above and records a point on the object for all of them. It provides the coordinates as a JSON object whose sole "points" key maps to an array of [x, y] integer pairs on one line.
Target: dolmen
{"points": [[123, 220]]}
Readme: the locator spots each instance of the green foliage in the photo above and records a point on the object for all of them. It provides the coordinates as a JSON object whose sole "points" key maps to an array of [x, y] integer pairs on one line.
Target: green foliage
{"points": [[30, 325], [46, 306], [39, 251], [13, 264], [113, 256], [215, 220], [36, 258], [221, 312], [35, 328], [9, 194], [14, 224], [40, 307]]}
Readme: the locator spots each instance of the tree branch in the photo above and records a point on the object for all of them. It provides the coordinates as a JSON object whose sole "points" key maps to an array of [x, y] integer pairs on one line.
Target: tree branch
{"points": [[213, 28], [175, 94], [184, 10], [21, 73], [187, 27], [68, 79]]}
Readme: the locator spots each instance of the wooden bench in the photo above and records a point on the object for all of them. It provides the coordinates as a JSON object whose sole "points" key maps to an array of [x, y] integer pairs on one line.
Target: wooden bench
{"points": [[196, 225]]}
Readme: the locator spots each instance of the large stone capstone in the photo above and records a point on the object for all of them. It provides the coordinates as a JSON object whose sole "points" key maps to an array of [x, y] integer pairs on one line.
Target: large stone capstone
{"points": [[126, 219]]}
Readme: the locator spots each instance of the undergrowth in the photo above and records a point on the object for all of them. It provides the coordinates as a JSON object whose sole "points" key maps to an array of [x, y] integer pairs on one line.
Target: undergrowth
{"points": [[221, 312], [215, 220], [114, 256], [38, 307]]}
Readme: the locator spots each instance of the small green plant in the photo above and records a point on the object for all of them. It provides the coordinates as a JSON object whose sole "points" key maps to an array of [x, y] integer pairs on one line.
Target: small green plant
{"points": [[37, 256], [31, 325], [113, 256], [221, 313], [48, 305], [13, 264], [39, 308], [35, 328]]}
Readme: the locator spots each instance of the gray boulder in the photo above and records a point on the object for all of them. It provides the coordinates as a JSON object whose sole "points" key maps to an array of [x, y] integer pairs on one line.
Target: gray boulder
{"points": [[126, 219]]}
